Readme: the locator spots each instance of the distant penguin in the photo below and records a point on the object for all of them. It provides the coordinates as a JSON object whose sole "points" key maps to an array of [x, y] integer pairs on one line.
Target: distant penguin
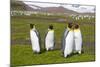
{"points": [[49, 39], [69, 40], [34, 36], [77, 39]]}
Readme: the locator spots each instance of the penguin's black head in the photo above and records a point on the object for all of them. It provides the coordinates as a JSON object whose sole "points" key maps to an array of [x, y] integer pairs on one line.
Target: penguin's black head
{"points": [[51, 27], [70, 25], [76, 26], [31, 26]]}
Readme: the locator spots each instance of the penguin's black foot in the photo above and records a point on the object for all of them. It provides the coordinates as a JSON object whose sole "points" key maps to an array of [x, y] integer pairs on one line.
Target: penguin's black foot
{"points": [[68, 55], [38, 52]]}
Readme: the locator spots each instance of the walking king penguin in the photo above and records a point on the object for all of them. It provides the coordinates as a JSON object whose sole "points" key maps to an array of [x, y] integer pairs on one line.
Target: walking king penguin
{"points": [[69, 40], [34, 35], [49, 39], [77, 39]]}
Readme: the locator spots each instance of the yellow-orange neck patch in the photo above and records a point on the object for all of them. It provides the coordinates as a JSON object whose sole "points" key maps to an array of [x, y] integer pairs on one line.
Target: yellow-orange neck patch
{"points": [[76, 30], [51, 30]]}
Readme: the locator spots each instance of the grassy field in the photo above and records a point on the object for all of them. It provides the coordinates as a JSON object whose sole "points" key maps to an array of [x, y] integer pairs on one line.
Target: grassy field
{"points": [[21, 51]]}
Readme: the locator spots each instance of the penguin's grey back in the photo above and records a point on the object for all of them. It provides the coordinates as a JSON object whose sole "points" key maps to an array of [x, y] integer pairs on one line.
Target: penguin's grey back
{"points": [[63, 39]]}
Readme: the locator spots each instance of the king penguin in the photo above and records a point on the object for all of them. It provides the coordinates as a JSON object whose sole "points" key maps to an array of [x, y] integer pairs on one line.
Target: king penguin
{"points": [[77, 39], [68, 41], [49, 39], [34, 36]]}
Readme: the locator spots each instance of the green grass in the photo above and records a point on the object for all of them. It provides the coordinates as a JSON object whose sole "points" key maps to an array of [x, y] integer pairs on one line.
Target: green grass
{"points": [[23, 55], [21, 51]]}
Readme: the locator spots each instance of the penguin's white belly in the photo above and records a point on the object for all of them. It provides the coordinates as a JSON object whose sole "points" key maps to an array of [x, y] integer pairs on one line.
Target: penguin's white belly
{"points": [[78, 41], [34, 41], [69, 43], [49, 40]]}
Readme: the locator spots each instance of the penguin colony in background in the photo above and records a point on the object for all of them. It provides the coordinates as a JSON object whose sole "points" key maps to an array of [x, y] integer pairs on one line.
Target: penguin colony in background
{"points": [[71, 41]]}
